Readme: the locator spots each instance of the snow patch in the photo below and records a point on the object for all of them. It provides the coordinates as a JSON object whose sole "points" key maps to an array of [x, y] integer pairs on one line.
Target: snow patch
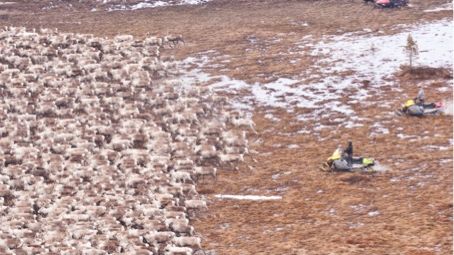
{"points": [[299, 23], [447, 107], [359, 208], [378, 129], [332, 212], [380, 167], [436, 148], [287, 93], [355, 225], [363, 66], [271, 117], [249, 197], [445, 161], [369, 58], [407, 137], [153, 4], [373, 213]]}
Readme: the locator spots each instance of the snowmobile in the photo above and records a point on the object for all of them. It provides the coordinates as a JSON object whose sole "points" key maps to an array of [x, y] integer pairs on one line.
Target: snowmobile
{"points": [[410, 108], [388, 3], [358, 164]]}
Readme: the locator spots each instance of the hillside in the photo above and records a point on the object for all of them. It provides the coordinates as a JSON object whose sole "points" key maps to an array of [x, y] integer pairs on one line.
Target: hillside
{"points": [[311, 75]]}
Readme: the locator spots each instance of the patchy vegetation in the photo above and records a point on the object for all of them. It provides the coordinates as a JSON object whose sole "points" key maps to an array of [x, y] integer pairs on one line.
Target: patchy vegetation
{"points": [[405, 209]]}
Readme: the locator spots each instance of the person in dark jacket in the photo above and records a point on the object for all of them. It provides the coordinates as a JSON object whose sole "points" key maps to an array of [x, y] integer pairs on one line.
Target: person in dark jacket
{"points": [[348, 154]]}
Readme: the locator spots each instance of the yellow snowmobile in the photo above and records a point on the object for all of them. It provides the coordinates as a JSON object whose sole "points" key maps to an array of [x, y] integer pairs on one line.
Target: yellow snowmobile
{"points": [[338, 163]]}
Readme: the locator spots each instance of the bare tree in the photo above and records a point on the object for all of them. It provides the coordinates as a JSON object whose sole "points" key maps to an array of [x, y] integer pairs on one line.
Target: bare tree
{"points": [[411, 49]]}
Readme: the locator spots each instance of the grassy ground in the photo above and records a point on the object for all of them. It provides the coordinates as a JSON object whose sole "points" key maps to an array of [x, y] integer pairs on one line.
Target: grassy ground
{"points": [[404, 210]]}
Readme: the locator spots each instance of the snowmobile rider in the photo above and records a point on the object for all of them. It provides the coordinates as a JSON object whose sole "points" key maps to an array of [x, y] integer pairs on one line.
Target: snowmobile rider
{"points": [[420, 100], [416, 106], [343, 159], [348, 154]]}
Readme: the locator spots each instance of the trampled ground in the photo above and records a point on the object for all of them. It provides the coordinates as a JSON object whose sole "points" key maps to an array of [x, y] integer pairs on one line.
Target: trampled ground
{"points": [[249, 50]]}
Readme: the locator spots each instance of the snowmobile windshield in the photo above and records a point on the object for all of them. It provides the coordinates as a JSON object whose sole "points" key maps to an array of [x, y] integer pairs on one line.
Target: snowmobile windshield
{"points": [[409, 103], [336, 155]]}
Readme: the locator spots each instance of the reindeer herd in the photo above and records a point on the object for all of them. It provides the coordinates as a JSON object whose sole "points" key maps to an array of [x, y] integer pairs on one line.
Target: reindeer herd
{"points": [[101, 147]]}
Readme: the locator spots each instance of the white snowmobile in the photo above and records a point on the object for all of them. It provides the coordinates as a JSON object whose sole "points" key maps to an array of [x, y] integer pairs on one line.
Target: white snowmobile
{"points": [[410, 108]]}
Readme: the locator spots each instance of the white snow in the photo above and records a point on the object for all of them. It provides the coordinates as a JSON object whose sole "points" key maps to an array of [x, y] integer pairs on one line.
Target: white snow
{"points": [[332, 211], [153, 4], [375, 57], [286, 93], [148, 5], [329, 91], [355, 225], [431, 147], [378, 167], [276, 176], [299, 23], [359, 208], [445, 161], [447, 107], [373, 213], [271, 117], [378, 129], [407, 137], [249, 197]]}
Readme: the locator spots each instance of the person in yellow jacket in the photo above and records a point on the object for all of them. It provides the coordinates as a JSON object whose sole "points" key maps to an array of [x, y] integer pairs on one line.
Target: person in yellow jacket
{"points": [[411, 108], [342, 159]]}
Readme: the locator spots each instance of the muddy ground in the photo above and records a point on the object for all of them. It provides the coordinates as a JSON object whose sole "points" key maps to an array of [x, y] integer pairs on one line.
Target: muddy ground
{"points": [[406, 209]]}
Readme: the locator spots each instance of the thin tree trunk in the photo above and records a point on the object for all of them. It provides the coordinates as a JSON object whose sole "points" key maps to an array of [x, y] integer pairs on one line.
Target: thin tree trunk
{"points": [[411, 61]]}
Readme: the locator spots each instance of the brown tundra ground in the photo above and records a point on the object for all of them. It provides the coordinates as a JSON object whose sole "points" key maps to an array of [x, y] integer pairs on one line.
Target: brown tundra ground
{"points": [[406, 209]]}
